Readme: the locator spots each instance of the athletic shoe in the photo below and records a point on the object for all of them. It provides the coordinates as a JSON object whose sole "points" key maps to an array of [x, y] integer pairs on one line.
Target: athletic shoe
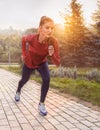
{"points": [[17, 96], [42, 109]]}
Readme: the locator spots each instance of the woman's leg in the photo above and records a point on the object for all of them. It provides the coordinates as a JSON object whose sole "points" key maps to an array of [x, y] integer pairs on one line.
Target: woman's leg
{"points": [[44, 72], [26, 72]]}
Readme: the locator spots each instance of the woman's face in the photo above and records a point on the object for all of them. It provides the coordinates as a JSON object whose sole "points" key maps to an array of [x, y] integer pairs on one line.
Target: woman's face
{"points": [[46, 29]]}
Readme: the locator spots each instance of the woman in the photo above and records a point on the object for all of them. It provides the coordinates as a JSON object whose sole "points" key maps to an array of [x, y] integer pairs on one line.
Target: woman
{"points": [[35, 49]]}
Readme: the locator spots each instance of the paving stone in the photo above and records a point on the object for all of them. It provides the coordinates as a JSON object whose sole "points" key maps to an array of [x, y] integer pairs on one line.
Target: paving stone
{"points": [[95, 128], [5, 128], [26, 126], [98, 124], [87, 123], [61, 127]]}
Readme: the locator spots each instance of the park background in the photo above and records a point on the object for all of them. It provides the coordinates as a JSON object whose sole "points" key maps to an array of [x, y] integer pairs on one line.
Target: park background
{"points": [[78, 36], [79, 44]]}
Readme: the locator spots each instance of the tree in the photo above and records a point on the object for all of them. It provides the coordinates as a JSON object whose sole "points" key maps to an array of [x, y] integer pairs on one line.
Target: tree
{"points": [[74, 22], [75, 35], [96, 19]]}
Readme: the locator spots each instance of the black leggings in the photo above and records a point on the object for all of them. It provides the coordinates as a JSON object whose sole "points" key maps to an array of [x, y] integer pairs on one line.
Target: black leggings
{"points": [[44, 72]]}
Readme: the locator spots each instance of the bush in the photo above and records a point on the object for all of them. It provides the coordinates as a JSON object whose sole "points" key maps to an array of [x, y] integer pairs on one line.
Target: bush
{"points": [[94, 74], [64, 72]]}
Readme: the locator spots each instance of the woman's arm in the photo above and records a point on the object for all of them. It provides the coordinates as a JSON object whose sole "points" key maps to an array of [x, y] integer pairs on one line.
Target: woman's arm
{"points": [[55, 57], [24, 40]]}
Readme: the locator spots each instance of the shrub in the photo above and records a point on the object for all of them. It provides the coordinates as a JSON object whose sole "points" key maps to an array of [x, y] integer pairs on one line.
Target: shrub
{"points": [[64, 72], [94, 74]]}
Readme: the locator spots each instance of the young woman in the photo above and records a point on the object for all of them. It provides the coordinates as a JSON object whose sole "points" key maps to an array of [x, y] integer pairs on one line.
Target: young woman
{"points": [[35, 49]]}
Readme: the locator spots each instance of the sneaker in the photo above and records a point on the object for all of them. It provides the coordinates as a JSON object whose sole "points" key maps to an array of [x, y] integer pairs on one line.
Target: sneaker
{"points": [[42, 109], [17, 96]]}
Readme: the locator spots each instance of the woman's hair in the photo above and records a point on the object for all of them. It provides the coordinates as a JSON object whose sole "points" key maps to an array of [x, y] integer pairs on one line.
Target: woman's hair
{"points": [[45, 19]]}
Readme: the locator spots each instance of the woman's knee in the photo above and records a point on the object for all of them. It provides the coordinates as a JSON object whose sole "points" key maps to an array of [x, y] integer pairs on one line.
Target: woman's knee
{"points": [[46, 79]]}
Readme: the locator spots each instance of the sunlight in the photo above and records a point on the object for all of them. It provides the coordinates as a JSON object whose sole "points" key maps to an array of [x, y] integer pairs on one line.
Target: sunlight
{"points": [[60, 21], [87, 12], [62, 26]]}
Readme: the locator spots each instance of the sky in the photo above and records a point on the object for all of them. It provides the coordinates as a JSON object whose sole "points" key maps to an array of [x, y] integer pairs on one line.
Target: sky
{"points": [[23, 14]]}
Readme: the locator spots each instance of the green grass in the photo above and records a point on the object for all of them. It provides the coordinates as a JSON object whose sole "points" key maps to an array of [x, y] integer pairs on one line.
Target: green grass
{"points": [[83, 89]]}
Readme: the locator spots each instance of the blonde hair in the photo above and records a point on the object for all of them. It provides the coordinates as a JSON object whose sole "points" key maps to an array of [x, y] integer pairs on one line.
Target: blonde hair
{"points": [[45, 19]]}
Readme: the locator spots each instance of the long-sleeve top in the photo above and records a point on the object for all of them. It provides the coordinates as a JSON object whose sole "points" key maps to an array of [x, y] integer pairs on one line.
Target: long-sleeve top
{"points": [[35, 53]]}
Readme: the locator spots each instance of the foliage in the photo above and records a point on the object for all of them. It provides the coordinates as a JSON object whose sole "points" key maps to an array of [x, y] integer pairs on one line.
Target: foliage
{"points": [[74, 23], [94, 74], [30, 31], [96, 19], [64, 72], [86, 90], [10, 46], [75, 36]]}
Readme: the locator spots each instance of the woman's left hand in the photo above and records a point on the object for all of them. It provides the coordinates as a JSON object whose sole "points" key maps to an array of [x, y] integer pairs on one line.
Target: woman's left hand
{"points": [[51, 50]]}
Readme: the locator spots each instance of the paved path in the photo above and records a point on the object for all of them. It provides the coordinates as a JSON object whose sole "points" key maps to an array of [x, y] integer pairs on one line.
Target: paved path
{"points": [[63, 113]]}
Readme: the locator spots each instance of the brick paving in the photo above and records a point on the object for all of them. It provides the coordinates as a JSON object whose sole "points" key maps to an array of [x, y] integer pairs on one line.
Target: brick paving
{"points": [[63, 113]]}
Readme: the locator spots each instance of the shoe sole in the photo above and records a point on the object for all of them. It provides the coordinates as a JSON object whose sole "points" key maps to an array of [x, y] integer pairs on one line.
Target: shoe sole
{"points": [[17, 100], [42, 114]]}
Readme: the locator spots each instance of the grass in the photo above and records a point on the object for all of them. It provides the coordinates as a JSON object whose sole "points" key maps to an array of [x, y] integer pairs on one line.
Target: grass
{"points": [[81, 88]]}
